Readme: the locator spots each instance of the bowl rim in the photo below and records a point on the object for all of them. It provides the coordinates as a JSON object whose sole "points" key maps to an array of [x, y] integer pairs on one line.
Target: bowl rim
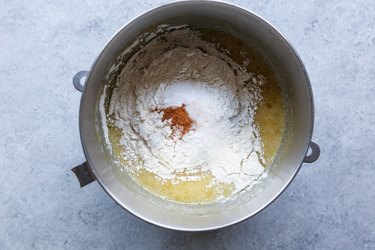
{"points": [[208, 228]]}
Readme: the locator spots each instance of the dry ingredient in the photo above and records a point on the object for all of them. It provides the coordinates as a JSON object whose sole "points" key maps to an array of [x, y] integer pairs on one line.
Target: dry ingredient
{"points": [[179, 119], [178, 81]]}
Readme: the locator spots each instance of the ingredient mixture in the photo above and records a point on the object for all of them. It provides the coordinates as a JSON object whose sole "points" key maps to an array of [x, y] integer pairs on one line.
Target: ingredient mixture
{"points": [[185, 115]]}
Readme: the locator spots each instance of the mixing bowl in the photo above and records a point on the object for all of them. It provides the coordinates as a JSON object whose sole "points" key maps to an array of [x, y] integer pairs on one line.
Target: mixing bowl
{"points": [[292, 76]]}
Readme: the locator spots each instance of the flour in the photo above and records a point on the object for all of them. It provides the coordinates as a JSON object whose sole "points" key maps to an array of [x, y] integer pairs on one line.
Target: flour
{"points": [[219, 95]]}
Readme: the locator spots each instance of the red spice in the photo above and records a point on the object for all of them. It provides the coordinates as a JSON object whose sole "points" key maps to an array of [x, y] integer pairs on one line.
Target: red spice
{"points": [[179, 118]]}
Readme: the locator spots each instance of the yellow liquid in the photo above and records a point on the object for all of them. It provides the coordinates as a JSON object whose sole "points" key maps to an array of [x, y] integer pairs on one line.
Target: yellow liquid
{"points": [[270, 119], [197, 191]]}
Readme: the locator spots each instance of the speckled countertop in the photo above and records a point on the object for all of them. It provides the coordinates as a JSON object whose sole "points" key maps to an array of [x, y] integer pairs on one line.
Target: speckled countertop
{"points": [[330, 205]]}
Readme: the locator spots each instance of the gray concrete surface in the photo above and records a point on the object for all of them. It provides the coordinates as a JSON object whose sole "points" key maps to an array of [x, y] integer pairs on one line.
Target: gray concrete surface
{"points": [[330, 205]]}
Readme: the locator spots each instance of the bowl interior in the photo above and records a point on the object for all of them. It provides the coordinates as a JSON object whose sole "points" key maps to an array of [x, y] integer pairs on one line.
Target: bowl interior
{"points": [[292, 77]]}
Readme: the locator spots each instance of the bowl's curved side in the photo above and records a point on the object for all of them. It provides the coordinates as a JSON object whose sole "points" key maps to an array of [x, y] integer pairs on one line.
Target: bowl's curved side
{"points": [[228, 17]]}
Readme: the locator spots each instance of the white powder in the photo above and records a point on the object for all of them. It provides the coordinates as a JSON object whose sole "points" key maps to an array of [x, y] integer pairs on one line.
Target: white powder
{"points": [[220, 96]]}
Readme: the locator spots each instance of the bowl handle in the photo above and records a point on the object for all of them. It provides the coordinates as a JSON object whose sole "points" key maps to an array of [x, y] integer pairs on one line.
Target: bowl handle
{"points": [[315, 152], [77, 80], [84, 174]]}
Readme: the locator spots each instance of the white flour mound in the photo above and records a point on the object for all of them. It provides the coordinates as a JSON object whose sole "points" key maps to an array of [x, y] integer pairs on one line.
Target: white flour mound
{"points": [[220, 96]]}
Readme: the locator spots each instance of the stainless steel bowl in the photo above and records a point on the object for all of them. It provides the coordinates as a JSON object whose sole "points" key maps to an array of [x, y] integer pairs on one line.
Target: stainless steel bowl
{"points": [[292, 75]]}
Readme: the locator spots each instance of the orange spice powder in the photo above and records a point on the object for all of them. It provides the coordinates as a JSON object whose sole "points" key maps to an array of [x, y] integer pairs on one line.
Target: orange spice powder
{"points": [[179, 118]]}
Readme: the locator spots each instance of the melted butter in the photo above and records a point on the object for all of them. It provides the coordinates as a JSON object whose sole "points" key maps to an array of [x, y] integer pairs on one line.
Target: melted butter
{"points": [[200, 190], [197, 191], [270, 119]]}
